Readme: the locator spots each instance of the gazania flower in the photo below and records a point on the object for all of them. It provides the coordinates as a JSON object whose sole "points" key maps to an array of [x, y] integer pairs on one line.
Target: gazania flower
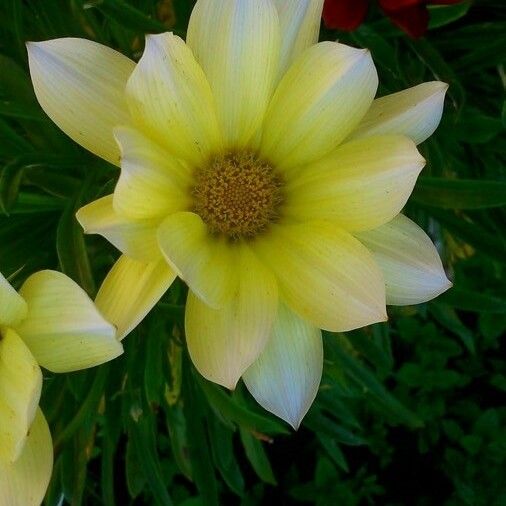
{"points": [[51, 322], [257, 166], [411, 16]]}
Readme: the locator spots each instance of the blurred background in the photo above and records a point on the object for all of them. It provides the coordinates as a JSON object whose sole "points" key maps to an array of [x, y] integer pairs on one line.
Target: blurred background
{"points": [[410, 412]]}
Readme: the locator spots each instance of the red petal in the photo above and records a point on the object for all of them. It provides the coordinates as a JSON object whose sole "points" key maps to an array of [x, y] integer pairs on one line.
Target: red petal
{"points": [[412, 20], [344, 14]]}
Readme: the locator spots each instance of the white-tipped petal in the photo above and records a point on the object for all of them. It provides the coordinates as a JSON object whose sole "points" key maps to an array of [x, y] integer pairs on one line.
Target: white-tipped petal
{"points": [[130, 290], [170, 98], [327, 276], [224, 342], [24, 482], [12, 306], [415, 112], [320, 100], [63, 329], [286, 376], [409, 260], [135, 238], [153, 183], [20, 386], [360, 186], [299, 22], [237, 45], [81, 86], [203, 261]]}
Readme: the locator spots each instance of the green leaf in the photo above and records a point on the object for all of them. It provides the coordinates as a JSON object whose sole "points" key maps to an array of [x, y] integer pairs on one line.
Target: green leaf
{"points": [[88, 408], [319, 423], [338, 357], [441, 15], [472, 233], [468, 300], [141, 432], [14, 82], [257, 456], [223, 456], [332, 448], [10, 181], [447, 317], [485, 127], [126, 15], [135, 477], [154, 357], [231, 410], [176, 425], [200, 455], [459, 193], [71, 248]]}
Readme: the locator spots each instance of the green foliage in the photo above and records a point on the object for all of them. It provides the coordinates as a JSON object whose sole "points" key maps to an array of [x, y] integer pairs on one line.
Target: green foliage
{"points": [[409, 412]]}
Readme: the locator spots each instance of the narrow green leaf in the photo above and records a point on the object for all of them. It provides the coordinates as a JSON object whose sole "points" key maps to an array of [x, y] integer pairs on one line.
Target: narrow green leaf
{"points": [[176, 425], [10, 181], [257, 457], [330, 446], [319, 423], [223, 456], [469, 300], [135, 477], [88, 408], [126, 15], [338, 357], [441, 15], [71, 248], [472, 233], [459, 193], [447, 317], [230, 410], [200, 455], [143, 439]]}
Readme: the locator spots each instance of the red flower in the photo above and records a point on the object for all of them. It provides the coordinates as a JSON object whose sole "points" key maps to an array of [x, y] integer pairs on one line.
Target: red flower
{"points": [[411, 16]]}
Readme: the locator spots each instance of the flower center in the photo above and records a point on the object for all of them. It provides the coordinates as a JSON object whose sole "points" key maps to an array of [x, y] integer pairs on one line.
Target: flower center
{"points": [[237, 195]]}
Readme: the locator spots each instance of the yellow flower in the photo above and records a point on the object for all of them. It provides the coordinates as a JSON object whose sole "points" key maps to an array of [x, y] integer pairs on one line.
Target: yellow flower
{"points": [[257, 166], [51, 322]]}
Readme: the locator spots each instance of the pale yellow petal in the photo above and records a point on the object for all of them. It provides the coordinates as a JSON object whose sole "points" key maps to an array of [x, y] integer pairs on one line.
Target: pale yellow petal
{"points": [[319, 101], [203, 261], [409, 260], [285, 378], [153, 183], [170, 98], [81, 86], [325, 275], [63, 329], [360, 186], [415, 112], [12, 305], [237, 45], [24, 482], [20, 386], [224, 342], [130, 290], [135, 238], [299, 22]]}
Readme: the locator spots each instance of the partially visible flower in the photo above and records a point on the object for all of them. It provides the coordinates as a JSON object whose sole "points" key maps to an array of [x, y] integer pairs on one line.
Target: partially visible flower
{"points": [[257, 166], [51, 322], [411, 16]]}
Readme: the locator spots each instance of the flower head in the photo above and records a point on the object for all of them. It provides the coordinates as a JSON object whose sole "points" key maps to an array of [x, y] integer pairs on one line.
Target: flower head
{"points": [[257, 166], [53, 323]]}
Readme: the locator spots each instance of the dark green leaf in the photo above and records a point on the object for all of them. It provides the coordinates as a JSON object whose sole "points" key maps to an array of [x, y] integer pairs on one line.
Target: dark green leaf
{"points": [[459, 193]]}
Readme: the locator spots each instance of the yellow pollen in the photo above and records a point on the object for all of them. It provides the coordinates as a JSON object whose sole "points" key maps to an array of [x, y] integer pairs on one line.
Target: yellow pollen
{"points": [[237, 195]]}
